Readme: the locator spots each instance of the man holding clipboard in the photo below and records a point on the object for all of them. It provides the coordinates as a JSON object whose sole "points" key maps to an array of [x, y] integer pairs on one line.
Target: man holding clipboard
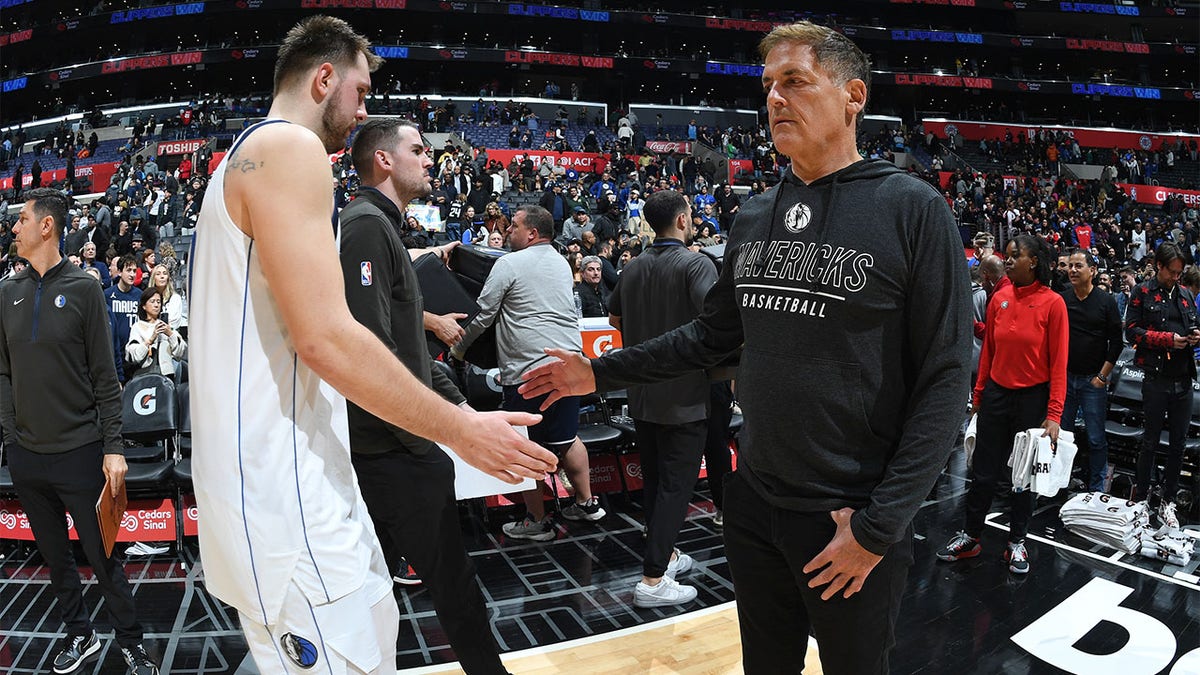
{"points": [[60, 407]]}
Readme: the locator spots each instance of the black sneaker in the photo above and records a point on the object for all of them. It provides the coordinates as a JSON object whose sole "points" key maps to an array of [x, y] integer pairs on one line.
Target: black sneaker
{"points": [[589, 510], [139, 661], [960, 547], [75, 650], [405, 575]]}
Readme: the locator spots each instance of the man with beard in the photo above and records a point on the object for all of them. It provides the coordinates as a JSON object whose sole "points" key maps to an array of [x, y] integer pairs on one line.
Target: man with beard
{"points": [[285, 537], [407, 481]]}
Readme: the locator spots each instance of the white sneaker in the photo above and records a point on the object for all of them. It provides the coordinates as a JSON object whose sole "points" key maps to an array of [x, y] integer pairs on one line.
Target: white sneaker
{"points": [[1166, 513], [142, 548], [668, 592], [681, 563]]}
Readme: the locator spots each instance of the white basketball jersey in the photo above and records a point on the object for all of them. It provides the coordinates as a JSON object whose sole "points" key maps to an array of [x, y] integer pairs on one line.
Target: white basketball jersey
{"points": [[277, 497]]}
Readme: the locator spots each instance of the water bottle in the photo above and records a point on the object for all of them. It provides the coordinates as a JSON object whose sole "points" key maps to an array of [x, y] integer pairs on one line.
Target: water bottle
{"points": [[578, 306]]}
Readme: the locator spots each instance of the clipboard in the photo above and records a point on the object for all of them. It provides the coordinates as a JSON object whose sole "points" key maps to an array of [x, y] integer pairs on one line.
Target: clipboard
{"points": [[109, 512]]}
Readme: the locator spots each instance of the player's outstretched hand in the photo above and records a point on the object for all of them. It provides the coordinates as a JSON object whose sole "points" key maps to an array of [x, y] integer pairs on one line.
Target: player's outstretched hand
{"points": [[489, 443], [568, 374]]}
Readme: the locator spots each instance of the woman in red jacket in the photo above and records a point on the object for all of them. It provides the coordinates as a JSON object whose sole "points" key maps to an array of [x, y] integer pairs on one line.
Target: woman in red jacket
{"points": [[1022, 384]]}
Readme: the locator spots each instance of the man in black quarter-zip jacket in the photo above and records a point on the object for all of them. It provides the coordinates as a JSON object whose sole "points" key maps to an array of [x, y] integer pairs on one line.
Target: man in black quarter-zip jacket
{"points": [[60, 406], [847, 286]]}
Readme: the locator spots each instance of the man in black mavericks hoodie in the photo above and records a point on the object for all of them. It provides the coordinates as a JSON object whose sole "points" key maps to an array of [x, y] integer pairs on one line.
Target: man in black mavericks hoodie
{"points": [[847, 286]]}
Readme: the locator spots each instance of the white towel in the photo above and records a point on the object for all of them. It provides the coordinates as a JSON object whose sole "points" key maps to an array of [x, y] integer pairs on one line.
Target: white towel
{"points": [[969, 438]]}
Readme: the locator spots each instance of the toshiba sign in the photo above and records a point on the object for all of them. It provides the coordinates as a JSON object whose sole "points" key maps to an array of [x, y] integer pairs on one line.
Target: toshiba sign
{"points": [[178, 147]]}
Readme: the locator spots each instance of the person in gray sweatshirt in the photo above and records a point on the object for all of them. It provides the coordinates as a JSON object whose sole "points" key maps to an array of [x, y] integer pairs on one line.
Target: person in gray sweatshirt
{"points": [[846, 285]]}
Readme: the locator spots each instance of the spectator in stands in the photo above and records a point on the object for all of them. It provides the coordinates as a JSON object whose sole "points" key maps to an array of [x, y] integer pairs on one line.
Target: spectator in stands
{"points": [[670, 417], [1161, 323], [153, 346], [87, 258], [528, 295], [1021, 385], [702, 198], [174, 307], [704, 235], [554, 201], [591, 290], [574, 227], [728, 203], [123, 300], [64, 454], [1095, 344], [633, 211], [494, 219]]}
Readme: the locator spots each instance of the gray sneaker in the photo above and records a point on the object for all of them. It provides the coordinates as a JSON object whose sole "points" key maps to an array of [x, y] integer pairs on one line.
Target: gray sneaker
{"points": [[75, 650], [668, 592], [589, 510], [681, 563], [528, 528]]}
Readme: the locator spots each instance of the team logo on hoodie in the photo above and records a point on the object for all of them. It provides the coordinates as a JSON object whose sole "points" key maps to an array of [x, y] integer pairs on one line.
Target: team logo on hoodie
{"points": [[797, 218]]}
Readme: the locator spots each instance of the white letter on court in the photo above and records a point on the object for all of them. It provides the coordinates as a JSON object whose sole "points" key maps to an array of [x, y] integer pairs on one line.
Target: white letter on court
{"points": [[1051, 638]]}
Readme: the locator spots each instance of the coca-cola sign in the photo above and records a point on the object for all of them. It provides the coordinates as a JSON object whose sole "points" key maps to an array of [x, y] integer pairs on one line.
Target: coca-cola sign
{"points": [[682, 147]]}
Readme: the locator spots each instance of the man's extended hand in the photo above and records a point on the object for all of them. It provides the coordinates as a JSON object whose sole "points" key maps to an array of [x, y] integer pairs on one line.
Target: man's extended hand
{"points": [[569, 374], [114, 471], [846, 563], [445, 327], [489, 443]]}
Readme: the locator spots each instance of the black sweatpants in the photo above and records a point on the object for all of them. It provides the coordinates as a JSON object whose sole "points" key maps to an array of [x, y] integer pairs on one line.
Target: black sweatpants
{"points": [[716, 449], [411, 501], [767, 548], [1173, 400], [49, 486], [1003, 413], [670, 456]]}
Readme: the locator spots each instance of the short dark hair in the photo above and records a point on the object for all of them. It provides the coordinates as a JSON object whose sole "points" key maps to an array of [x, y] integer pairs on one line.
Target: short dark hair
{"points": [[662, 208], [125, 261], [1166, 253], [1088, 258], [377, 134], [49, 202], [316, 40], [538, 219], [146, 295]]}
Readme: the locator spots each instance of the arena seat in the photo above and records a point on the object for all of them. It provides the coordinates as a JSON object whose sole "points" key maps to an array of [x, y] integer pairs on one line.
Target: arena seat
{"points": [[149, 416]]}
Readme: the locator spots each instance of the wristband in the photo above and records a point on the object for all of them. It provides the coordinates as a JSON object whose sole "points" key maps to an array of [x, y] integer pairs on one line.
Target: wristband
{"points": [[1101, 377]]}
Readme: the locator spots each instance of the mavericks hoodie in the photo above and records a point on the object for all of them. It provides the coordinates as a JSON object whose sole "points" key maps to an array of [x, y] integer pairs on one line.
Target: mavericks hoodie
{"points": [[852, 300]]}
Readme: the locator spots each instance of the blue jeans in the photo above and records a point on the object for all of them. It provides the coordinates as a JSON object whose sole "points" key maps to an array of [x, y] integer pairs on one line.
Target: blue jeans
{"points": [[1093, 402]]}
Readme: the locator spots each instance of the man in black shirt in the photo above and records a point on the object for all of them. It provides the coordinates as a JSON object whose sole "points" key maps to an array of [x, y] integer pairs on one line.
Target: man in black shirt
{"points": [[407, 482], [670, 417], [1095, 346], [593, 294], [1161, 323]]}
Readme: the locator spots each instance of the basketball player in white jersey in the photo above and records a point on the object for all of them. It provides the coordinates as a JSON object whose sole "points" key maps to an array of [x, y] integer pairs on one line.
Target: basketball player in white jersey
{"points": [[284, 535]]}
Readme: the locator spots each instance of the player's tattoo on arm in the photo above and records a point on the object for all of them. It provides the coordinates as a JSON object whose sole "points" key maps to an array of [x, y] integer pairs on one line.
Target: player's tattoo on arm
{"points": [[239, 163]]}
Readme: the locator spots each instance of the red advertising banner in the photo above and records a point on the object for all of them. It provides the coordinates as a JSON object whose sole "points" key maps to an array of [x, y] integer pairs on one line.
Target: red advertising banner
{"points": [[1088, 138], [190, 515], [1155, 194], [605, 473], [682, 147], [144, 520], [100, 174], [631, 466], [580, 161], [555, 59], [179, 147], [740, 165]]}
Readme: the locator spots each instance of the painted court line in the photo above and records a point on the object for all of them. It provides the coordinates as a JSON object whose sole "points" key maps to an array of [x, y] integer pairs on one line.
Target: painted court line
{"points": [[1132, 568]]}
